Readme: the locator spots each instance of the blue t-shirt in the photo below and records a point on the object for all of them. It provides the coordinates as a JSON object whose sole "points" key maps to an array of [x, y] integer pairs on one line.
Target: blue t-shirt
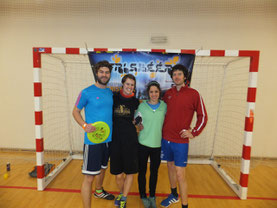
{"points": [[98, 104], [154, 107]]}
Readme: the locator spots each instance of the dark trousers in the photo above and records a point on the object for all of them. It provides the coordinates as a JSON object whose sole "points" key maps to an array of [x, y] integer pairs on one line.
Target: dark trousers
{"points": [[155, 161]]}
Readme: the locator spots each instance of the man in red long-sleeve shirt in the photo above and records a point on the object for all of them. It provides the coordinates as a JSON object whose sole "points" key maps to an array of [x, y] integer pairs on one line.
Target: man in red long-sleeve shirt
{"points": [[182, 101]]}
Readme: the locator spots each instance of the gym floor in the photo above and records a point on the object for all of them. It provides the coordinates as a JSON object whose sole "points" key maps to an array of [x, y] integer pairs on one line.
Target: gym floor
{"points": [[206, 188]]}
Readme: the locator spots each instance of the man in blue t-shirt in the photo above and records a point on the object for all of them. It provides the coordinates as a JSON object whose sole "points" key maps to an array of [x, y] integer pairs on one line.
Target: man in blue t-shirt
{"points": [[97, 101]]}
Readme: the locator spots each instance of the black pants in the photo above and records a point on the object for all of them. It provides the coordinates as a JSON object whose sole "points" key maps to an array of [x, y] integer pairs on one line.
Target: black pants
{"points": [[155, 161]]}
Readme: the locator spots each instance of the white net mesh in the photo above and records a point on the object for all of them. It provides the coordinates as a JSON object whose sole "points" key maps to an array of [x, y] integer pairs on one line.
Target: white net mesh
{"points": [[63, 77], [223, 83]]}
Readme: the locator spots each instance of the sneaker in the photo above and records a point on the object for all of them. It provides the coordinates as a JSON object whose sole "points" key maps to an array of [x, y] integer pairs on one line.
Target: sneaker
{"points": [[146, 202], [117, 200], [152, 201], [169, 200], [104, 195], [122, 204]]}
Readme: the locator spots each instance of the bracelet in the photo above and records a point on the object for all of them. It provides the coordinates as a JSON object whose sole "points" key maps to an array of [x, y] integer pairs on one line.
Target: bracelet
{"points": [[84, 126]]}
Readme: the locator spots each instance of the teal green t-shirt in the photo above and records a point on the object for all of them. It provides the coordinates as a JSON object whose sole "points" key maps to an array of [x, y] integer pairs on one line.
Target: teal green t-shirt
{"points": [[152, 121]]}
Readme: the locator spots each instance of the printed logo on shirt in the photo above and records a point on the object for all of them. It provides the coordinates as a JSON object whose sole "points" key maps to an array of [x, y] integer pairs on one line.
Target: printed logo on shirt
{"points": [[122, 110]]}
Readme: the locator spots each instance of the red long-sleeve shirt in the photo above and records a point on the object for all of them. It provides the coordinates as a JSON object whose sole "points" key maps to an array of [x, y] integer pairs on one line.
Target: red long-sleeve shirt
{"points": [[181, 106]]}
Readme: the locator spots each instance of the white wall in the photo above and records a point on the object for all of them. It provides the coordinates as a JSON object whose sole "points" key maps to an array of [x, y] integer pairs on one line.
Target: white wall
{"points": [[207, 24]]}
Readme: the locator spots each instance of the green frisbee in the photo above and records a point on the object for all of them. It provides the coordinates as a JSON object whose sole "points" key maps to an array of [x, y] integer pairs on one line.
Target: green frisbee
{"points": [[101, 133]]}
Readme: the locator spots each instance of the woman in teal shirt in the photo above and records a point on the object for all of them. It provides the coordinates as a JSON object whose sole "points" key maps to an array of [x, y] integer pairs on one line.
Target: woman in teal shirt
{"points": [[152, 112]]}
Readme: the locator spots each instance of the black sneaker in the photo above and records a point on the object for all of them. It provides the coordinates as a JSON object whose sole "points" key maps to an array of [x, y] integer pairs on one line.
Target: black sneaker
{"points": [[104, 195]]}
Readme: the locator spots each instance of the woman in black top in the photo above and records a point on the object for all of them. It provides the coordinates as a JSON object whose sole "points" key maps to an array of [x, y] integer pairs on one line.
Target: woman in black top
{"points": [[124, 156]]}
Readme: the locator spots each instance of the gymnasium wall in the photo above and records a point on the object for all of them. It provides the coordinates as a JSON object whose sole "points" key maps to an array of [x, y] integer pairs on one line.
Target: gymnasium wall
{"points": [[191, 24]]}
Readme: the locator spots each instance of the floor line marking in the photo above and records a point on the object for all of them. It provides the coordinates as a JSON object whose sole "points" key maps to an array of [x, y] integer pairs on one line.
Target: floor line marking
{"points": [[137, 194]]}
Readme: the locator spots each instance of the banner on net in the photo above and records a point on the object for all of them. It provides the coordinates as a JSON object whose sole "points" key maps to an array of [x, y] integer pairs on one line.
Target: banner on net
{"points": [[145, 66]]}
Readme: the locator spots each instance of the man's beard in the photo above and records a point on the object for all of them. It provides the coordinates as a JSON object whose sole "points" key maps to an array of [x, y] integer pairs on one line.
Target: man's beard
{"points": [[100, 82]]}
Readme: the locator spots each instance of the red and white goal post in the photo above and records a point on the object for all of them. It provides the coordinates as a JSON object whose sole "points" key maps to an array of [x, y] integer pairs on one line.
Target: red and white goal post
{"points": [[226, 79]]}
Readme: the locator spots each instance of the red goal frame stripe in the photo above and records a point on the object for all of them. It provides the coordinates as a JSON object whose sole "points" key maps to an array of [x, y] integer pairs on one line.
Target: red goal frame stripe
{"points": [[217, 52], [72, 50], [37, 89], [39, 145]]}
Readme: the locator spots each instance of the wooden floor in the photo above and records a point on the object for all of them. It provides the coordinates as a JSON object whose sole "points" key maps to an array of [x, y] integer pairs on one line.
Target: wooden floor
{"points": [[206, 189]]}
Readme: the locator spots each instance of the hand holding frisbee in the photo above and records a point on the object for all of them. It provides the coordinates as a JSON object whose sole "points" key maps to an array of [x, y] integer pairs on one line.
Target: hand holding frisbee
{"points": [[88, 128], [101, 133]]}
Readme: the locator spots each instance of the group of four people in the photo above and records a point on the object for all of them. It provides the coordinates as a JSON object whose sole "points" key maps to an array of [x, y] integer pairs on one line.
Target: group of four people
{"points": [[164, 134]]}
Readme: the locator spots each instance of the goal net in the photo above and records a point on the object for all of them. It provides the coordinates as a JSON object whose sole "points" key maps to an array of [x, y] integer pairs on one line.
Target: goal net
{"points": [[225, 79], [223, 84]]}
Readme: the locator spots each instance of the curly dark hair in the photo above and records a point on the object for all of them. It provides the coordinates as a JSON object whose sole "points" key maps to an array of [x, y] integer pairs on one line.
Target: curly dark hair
{"points": [[182, 68], [102, 64]]}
